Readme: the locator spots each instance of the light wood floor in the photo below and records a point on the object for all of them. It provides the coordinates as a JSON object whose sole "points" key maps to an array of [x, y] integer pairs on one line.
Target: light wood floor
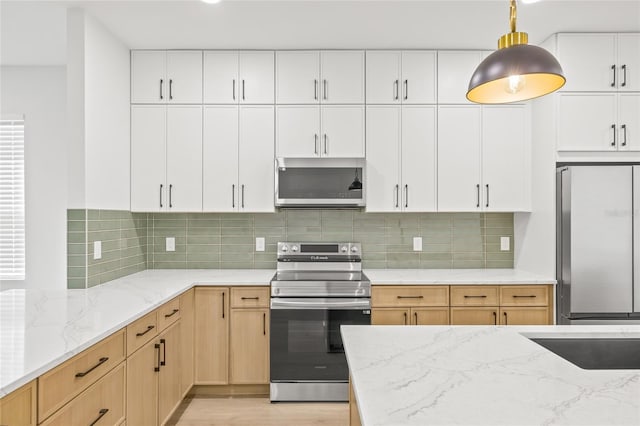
{"points": [[196, 411]]}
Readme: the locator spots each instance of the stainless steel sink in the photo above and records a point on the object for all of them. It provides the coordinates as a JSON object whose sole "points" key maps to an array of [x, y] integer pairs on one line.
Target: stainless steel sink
{"points": [[596, 353]]}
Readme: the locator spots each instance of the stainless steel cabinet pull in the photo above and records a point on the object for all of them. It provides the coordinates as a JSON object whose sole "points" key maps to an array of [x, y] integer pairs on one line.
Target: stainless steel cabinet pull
{"points": [[315, 89], [495, 318], [396, 190], [406, 90], [233, 195], [487, 205], [149, 328], [613, 127], [243, 89], [475, 297], [396, 89], [222, 304], [234, 89], [506, 322], [101, 414], [170, 89], [478, 195], [324, 89], [406, 196], [411, 297], [264, 324], [624, 76], [243, 196], [405, 318], [175, 311], [325, 143], [170, 196], [415, 315], [315, 143], [157, 347], [161, 82], [613, 83], [163, 342], [161, 195], [100, 362], [624, 133]]}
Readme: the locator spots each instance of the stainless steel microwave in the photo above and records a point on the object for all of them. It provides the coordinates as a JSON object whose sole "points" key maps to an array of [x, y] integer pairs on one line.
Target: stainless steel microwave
{"points": [[320, 182]]}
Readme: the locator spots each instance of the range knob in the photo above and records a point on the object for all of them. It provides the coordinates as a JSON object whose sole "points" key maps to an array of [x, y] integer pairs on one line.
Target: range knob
{"points": [[294, 249], [285, 248], [343, 249], [354, 249]]}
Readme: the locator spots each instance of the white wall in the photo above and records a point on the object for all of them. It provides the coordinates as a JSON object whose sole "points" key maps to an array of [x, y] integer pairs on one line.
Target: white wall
{"points": [[99, 98], [39, 93]]}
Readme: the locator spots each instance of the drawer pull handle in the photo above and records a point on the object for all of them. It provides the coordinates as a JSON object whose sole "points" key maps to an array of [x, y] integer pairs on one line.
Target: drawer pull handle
{"points": [[410, 297], [520, 296], [405, 318], [495, 318], [149, 328], [101, 414], [250, 298], [415, 314], [163, 342], [175, 311], [157, 367], [483, 296], [100, 362], [506, 322]]}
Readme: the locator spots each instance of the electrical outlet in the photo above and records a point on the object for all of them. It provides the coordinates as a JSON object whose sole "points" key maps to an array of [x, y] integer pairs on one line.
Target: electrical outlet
{"points": [[170, 244], [97, 250], [260, 244], [417, 243], [505, 243]]}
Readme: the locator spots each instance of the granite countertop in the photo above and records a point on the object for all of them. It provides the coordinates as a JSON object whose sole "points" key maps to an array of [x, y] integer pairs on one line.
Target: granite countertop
{"points": [[477, 375]]}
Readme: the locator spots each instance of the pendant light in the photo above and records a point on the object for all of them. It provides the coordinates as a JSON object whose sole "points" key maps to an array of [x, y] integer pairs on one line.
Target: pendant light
{"points": [[516, 71], [356, 185]]}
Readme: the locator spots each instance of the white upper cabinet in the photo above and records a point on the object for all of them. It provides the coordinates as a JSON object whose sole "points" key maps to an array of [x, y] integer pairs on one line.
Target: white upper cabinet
{"points": [[455, 69], [312, 77], [600, 62], [401, 77], [629, 122], [342, 131], [383, 158], [298, 131], [238, 77], [587, 122], [161, 77]]}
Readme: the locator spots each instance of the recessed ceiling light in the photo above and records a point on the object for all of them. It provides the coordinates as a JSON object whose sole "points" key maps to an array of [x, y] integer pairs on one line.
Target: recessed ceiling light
{"points": [[212, 1], [529, 1]]}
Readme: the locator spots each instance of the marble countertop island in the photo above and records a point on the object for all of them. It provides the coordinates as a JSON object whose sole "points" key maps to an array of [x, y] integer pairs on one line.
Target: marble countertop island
{"points": [[479, 375]]}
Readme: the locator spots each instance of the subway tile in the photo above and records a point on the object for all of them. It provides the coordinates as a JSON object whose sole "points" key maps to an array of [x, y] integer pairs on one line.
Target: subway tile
{"points": [[270, 220], [436, 264], [170, 223], [264, 257], [226, 257], [76, 249], [374, 264], [501, 231], [169, 265], [265, 265], [76, 226], [93, 214], [406, 263], [77, 260], [236, 231], [76, 237], [203, 265], [499, 264], [240, 248], [202, 248], [203, 257], [203, 239], [467, 264], [76, 283], [103, 235], [76, 214], [236, 265], [169, 257], [76, 272]]}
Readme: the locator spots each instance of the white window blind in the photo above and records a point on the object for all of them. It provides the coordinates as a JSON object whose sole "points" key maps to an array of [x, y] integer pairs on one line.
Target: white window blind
{"points": [[12, 251]]}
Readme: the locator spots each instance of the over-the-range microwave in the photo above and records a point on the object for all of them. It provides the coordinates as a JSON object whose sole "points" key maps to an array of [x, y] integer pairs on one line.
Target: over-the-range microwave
{"points": [[319, 182]]}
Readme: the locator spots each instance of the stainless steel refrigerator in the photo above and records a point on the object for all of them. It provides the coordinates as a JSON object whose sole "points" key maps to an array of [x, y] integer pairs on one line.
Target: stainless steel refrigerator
{"points": [[598, 244]]}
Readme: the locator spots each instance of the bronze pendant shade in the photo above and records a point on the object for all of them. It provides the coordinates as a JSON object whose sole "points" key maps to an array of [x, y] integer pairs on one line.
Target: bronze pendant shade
{"points": [[515, 72]]}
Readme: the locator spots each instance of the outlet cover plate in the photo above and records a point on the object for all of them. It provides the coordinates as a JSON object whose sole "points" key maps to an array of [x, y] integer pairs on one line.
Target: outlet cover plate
{"points": [[170, 244], [417, 243], [505, 242], [97, 250]]}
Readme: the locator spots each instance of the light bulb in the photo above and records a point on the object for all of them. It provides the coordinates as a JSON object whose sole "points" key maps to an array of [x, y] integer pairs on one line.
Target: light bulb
{"points": [[515, 83], [211, 1]]}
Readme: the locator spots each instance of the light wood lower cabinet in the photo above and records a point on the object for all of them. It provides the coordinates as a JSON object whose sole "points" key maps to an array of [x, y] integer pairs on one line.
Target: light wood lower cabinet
{"points": [[410, 316], [212, 336], [524, 316], [410, 305], [474, 316], [354, 414], [169, 392], [249, 361], [19, 407], [187, 322]]}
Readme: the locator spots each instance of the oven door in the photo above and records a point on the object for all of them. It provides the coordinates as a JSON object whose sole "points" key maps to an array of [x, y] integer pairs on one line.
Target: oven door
{"points": [[306, 344]]}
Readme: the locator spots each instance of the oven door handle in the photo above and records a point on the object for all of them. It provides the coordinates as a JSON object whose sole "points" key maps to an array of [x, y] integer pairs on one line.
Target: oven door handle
{"points": [[321, 303]]}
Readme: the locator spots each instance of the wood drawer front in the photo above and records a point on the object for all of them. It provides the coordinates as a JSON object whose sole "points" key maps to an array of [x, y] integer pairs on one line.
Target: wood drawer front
{"points": [[406, 296], [141, 331], [103, 400], [475, 295], [250, 297], [168, 314], [60, 385], [475, 316], [534, 295], [19, 407], [525, 316]]}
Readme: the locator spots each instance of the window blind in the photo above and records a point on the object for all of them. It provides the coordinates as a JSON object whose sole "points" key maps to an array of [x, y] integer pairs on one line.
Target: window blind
{"points": [[12, 240]]}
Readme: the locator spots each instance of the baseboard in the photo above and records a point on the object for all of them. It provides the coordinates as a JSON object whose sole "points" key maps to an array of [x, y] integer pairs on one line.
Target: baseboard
{"points": [[229, 390]]}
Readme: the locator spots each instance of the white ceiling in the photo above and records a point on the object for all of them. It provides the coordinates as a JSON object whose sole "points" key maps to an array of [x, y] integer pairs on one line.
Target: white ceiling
{"points": [[34, 32]]}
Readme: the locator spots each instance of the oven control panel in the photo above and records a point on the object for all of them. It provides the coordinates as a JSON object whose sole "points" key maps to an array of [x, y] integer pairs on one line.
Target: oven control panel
{"points": [[318, 249]]}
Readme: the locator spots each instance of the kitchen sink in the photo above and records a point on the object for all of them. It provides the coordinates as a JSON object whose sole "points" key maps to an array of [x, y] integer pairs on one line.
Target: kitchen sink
{"points": [[596, 353]]}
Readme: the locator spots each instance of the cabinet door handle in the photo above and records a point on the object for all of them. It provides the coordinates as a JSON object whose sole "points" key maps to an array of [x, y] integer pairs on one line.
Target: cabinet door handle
{"points": [[170, 195], [315, 89], [163, 342], [243, 89], [161, 83], [249, 298], [100, 362], [411, 297], [406, 196], [396, 190], [613, 127], [483, 296], [101, 414], [325, 143], [613, 83], [396, 89], [264, 323], [495, 318], [624, 76], [324, 89], [233, 196], [142, 333], [175, 311], [530, 296], [315, 143], [243, 196], [405, 318], [234, 89], [487, 205], [624, 134], [161, 195], [157, 348], [170, 89], [223, 304], [406, 90], [477, 195], [506, 321], [415, 316]]}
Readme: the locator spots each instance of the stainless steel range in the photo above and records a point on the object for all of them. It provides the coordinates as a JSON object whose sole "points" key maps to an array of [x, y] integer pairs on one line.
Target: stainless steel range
{"points": [[317, 288]]}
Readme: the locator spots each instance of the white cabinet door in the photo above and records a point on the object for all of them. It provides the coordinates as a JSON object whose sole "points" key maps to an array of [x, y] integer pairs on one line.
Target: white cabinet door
{"points": [[298, 77], [629, 62], [459, 158], [587, 61], [342, 131], [418, 77], [629, 117], [504, 158], [220, 84], [220, 159], [418, 158], [383, 77], [149, 84], [298, 131], [256, 77], [148, 149], [184, 158], [455, 69], [383, 161], [256, 161], [342, 73], [184, 72], [587, 122]]}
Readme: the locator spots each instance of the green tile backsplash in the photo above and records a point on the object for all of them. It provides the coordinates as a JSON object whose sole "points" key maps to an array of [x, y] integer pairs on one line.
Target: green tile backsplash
{"points": [[132, 242]]}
